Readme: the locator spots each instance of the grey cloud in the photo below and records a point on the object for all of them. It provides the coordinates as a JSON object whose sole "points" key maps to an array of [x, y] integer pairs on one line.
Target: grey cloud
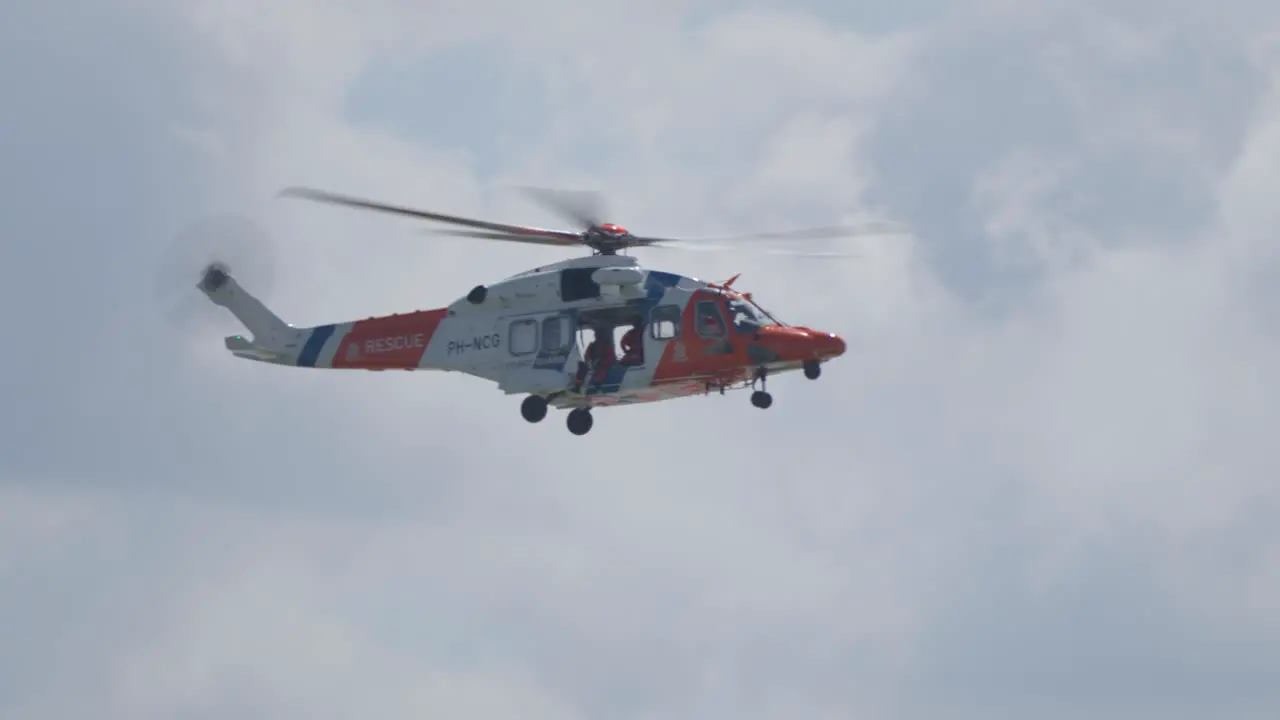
{"points": [[1141, 133]]}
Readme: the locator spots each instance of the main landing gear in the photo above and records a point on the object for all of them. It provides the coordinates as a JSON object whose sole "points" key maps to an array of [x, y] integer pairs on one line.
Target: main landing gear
{"points": [[534, 409], [580, 421]]}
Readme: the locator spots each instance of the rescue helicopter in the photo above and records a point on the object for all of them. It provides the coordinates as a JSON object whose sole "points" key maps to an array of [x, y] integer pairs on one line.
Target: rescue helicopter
{"points": [[526, 333]]}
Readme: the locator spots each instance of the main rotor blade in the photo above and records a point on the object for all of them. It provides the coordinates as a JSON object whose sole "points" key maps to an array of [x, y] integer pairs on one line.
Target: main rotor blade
{"points": [[517, 232], [818, 233], [491, 235], [764, 251], [583, 207]]}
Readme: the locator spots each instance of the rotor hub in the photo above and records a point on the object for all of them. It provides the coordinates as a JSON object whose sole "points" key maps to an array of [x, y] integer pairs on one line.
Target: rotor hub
{"points": [[607, 238], [215, 277]]}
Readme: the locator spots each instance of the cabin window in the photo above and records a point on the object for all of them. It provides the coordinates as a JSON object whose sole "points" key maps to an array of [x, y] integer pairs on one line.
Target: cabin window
{"points": [[664, 322], [523, 339], [576, 284], [710, 321], [556, 334]]}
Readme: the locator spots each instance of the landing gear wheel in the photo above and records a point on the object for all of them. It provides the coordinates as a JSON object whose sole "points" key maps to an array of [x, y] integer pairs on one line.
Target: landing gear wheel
{"points": [[534, 408], [580, 421], [812, 369]]}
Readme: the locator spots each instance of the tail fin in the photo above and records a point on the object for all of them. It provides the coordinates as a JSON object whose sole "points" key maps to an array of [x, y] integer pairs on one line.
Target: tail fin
{"points": [[273, 339]]}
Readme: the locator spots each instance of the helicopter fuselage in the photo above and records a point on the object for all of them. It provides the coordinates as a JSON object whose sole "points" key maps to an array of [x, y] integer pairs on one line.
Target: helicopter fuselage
{"points": [[525, 333]]}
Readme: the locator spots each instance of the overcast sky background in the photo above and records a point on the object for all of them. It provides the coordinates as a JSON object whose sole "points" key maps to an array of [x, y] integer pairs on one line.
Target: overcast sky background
{"points": [[1041, 484]]}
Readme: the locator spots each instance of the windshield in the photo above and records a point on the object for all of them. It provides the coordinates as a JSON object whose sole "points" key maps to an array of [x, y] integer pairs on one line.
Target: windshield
{"points": [[773, 319], [747, 316]]}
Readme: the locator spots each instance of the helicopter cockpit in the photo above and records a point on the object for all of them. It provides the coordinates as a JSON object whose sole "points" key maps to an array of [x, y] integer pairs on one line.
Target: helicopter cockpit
{"points": [[747, 316]]}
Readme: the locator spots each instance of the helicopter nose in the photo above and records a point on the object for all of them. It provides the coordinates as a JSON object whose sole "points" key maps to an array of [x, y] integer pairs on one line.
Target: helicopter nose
{"points": [[829, 345], [800, 344]]}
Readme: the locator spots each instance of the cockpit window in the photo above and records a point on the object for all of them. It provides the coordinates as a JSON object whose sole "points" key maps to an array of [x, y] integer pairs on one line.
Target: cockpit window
{"points": [[746, 315], [710, 323]]}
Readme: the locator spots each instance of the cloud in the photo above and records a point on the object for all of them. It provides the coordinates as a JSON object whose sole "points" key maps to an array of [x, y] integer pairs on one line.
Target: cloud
{"points": [[1040, 483]]}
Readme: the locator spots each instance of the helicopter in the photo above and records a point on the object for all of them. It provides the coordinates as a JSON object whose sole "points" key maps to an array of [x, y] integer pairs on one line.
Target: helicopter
{"points": [[526, 333]]}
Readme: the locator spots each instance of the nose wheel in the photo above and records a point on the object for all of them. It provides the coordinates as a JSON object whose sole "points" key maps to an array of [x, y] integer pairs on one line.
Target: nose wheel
{"points": [[812, 369], [761, 398]]}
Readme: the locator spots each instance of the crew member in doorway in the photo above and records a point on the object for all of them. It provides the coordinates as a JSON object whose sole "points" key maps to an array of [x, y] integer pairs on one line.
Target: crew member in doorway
{"points": [[633, 344], [598, 357]]}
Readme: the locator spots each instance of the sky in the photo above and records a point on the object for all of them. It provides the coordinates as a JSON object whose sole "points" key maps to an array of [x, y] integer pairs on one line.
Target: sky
{"points": [[1041, 483]]}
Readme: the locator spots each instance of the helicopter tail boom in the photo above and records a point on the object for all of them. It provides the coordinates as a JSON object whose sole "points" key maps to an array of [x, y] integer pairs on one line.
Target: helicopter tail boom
{"points": [[391, 342], [273, 341]]}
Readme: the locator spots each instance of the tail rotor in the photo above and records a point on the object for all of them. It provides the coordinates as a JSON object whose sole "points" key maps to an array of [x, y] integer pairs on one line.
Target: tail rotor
{"points": [[204, 255]]}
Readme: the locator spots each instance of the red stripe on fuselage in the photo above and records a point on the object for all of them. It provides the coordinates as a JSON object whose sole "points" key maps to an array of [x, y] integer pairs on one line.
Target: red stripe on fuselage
{"points": [[389, 342]]}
